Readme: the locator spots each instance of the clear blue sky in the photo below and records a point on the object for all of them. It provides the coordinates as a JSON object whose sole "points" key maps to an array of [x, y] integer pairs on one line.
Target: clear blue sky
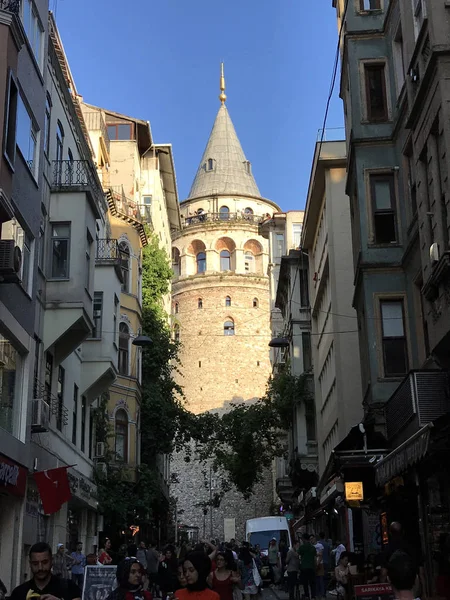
{"points": [[158, 60]]}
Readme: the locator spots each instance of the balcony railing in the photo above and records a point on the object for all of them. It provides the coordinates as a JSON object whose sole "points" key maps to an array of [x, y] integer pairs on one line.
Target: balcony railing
{"points": [[108, 250], [95, 122], [12, 6], [208, 217], [70, 175], [128, 207], [56, 404], [422, 395]]}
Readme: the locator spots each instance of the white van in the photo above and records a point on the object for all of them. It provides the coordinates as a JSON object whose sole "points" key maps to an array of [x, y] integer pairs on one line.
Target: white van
{"points": [[261, 531]]}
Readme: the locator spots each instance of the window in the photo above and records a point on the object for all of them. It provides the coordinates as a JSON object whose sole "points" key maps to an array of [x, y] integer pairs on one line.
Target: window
{"points": [[11, 119], [306, 347], [210, 164], [59, 141], [115, 318], [121, 435], [75, 414], [97, 315], [200, 303], [225, 260], [224, 213], [201, 262], [296, 234], [249, 262], [227, 301], [420, 14], [228, 328], [369, 5], [89, 242], [33, 29], [60, 250], [124, 349], [176, 262], [83, 422], [255, 303], [41, 254], [26, 135], [48, 375], [304, 288], [248, 167], [48, 116], [120, 131], [376, 92], [9, 385], [13, 231], [176, 333], [248, 213], [279, 245], [147, 200], [399, 59], [411, 182], [177, 306], [395, 353], [125, 265], [60, 396], [383, 208]]}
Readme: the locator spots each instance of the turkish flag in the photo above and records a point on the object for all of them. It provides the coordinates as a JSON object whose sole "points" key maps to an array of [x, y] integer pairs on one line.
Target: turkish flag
{"points": [[54, 488]]}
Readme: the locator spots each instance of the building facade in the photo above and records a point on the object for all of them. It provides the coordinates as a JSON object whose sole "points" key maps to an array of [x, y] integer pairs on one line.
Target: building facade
{"points": [[220, 311]]}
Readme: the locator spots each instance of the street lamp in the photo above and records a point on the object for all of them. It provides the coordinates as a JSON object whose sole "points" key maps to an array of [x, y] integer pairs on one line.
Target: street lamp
{"points": [[143, 341], [279, 342]]}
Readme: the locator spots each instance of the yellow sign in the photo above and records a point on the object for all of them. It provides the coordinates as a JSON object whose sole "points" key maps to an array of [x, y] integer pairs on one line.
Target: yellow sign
{"points": [[354, 490]]}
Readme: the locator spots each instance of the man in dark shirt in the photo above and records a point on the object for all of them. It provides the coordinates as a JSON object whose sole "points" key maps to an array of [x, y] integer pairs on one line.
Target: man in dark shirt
{"points": [[44, 584], [397, 543]]}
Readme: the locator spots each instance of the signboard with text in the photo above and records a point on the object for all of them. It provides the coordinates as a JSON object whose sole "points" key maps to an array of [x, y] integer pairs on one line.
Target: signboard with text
{"points": [[374, 591], [354, 490], [99, 582]]}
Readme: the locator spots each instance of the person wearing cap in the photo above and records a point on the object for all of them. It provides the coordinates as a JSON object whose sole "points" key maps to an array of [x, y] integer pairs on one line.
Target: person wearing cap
{"points": [[129, 575], [273, 555], [196, 567], [62, 563]]}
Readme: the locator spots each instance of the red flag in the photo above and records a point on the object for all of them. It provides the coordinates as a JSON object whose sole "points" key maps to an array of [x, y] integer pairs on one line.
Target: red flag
{"points": [[54, 488]]}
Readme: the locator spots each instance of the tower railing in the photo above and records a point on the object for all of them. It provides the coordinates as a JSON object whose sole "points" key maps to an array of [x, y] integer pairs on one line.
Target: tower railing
{"points": [[209, 217]]}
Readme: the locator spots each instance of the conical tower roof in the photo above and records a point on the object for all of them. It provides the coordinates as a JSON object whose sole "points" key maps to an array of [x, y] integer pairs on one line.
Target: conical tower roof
{"points": [[223, 168]]}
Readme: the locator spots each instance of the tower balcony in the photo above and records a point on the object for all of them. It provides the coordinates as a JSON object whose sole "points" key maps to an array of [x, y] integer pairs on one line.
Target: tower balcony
{"points": [[207, 218]]}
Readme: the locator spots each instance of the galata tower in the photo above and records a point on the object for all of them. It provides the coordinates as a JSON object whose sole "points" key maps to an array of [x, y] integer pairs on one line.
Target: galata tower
{"points": [[221, 315]]}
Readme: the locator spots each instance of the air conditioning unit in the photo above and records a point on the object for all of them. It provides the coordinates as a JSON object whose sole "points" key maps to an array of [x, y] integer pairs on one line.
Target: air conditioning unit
{"points": [[99, 450], [10, 261], [40, 416], [434, 252], [102, 468]]}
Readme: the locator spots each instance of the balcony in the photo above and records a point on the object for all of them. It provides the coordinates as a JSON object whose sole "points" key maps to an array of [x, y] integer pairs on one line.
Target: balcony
{"points": [[219, 218], [128, 210], [57, 408], [422, 397], [78, 176], [12, 6], [109, 254]]}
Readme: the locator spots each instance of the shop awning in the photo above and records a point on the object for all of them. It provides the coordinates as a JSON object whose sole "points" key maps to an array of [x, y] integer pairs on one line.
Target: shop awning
{"points": [[404, 456]]}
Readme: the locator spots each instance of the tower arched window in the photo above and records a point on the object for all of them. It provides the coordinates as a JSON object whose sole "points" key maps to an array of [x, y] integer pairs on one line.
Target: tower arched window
{"points": [[201, 262], [124, 349], [228, 327], [210, 164], [121, 435], [227, 301], [176, 307], [200, 303], [224, 213], [255, 302], [125, 264], [248, 213], [176, 262], [176, 332], [225, 260], [249, 262]]}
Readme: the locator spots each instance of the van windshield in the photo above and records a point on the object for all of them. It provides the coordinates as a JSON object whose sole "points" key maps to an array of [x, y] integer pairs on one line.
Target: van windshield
{"points": [[263, 537]]}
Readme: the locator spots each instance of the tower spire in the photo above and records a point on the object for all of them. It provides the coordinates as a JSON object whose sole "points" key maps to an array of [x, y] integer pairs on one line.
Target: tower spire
{"points": [[222, 96]]}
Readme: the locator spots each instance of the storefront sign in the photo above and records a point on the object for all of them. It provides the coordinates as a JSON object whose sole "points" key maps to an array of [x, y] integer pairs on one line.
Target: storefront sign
{"points": [[99, 582], [80, 487], [406, 455], [354, 490], [333, 490], [13, 477], [374, 591]]}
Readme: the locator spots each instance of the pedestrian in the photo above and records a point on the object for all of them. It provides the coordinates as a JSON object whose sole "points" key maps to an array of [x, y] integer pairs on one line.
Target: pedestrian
{"points": [[129, 576], [142, 555], [196, 567], [293, 569], [251, 580], [78, 565], [402, 575], [325, 557], [320, 571], [105, 557], [62, 562], [223, 579], [167, 572], [308, 555], [338, 551], [273, 556], [342, 576], [91, 559], [44, 583], [152, 565], [180, 575]]}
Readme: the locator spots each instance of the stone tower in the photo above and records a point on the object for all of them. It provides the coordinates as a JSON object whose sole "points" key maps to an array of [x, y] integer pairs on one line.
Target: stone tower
{"points": [[221, 312]]}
